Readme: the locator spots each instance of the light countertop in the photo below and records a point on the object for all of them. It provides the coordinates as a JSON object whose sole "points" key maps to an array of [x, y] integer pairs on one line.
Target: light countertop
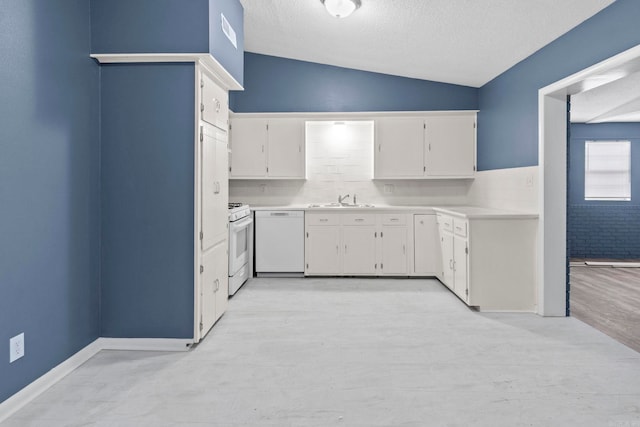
{"points": [[470, 212]]}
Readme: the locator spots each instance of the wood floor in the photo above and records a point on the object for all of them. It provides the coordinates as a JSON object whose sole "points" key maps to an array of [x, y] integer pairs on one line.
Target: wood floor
{"points": [[608, 299]]}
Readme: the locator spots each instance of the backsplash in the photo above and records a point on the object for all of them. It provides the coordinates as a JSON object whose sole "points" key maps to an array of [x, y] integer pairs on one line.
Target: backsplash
{"points": [[340, 161], [511, 189]]}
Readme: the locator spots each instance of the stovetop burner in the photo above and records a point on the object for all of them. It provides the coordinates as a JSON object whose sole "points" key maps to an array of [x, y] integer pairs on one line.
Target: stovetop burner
{"points": [[235, 205]]}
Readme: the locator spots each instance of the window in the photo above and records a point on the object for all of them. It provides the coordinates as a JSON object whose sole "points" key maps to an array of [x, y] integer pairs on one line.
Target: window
{"points": [[607, 170]]}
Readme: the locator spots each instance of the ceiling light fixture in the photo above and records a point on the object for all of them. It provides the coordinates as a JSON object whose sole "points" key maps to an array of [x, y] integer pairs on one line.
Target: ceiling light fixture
{"points": [[341, 8]]}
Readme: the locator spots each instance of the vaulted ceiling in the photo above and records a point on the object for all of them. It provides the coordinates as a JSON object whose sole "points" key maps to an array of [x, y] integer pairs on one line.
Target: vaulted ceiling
{"points": [[466, 42]]}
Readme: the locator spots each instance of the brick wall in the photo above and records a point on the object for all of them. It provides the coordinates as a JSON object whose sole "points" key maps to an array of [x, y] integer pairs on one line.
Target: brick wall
{"points": [[603, 231]]}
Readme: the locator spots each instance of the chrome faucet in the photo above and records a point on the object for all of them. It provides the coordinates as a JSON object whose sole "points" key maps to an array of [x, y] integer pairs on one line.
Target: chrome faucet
{"points": [[342, 198]]}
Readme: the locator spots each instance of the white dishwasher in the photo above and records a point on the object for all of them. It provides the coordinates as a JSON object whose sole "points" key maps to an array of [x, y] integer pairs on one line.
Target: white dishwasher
{"points": [[279, 248]]}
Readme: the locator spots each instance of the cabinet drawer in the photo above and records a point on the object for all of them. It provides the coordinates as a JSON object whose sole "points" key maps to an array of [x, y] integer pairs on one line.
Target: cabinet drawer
{"points": [[445, 222], [393, 219], [460, 227], [322, 219], [358, 219]]}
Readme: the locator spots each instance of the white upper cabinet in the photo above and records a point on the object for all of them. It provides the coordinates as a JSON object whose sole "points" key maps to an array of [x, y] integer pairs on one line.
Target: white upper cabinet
{"points": [[441, 146], [285, 150], [267, 148], [451, 146], [399, 149], [214, 103], [248, 141]]}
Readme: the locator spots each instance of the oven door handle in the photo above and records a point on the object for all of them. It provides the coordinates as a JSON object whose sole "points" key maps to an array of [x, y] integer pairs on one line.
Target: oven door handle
{"points": [[240, 224]]}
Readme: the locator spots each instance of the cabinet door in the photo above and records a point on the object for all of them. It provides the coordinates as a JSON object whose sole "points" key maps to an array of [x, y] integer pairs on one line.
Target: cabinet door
{"points": [[399, 149], [460, 267], [248, 148], [222, 277], [285, 157], [214, 103], [426, 245], [359, 249], [322, 250], [214, 186], [446, 243], [451, 145], [393, 258], [212, 270]]}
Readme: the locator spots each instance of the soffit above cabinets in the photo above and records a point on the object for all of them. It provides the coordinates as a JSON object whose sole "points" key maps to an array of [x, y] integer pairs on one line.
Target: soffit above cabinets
{"points": [[453, 41]]}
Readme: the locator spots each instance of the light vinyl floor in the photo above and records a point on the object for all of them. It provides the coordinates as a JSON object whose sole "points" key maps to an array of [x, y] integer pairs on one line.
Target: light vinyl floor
{"points": [[357, 352]]}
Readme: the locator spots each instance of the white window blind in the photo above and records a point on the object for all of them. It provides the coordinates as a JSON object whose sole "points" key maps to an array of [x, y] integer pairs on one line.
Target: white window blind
{"points": [[607, 170]]}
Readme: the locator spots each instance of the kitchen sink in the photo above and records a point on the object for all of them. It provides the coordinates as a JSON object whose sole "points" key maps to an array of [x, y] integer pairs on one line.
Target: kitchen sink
{"points": [[339, 205]]}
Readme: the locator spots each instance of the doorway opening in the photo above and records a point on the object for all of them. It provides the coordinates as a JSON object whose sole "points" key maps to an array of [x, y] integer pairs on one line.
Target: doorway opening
{"points": [[553, 126]]}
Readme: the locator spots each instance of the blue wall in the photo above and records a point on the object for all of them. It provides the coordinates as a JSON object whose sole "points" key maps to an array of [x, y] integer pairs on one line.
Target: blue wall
{"points": [[49, 186], [147, 177], [231, 58], [149, 26], [169, 26], [603, 229], [275, 84], [508, 118]]}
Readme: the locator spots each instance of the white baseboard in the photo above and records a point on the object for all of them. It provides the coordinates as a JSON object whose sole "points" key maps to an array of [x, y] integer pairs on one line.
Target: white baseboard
{"points": [[40, 385], [618, 264], [37, 387], [146, 344]]}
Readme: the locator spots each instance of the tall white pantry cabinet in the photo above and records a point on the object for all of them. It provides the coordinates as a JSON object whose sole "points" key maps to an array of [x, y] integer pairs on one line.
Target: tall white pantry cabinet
{"points": [[213, 186]]}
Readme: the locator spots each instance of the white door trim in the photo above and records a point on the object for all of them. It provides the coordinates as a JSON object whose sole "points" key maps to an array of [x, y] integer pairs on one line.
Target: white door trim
{"points": [[552, 154]]}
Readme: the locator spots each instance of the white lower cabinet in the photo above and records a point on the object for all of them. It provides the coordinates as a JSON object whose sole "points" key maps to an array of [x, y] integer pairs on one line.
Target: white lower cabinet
{"points": [[393, 250], [460, 267], [356, 244], [454, 256], [426, 245], [215, 286], [359, 250], [322, 250], [489, 262]]}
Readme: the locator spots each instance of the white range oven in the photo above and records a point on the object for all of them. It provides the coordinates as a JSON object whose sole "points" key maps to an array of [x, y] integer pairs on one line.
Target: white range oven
{"points": [[239, 222]]}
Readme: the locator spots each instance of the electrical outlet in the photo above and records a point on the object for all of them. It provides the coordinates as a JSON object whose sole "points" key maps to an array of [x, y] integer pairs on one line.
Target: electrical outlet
{"points": [[529, 181], [16, 347], [388, 188]]}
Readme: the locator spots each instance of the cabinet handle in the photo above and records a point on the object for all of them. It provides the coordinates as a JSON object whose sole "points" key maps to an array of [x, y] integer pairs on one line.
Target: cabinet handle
{"points": [[217, 283], [359, 219], [421, 222], [394, 220], [404, 250], [337, 249], [324, 219], [378, 147], [450, 264], [263, 148], [217, 103], [454, 266], [345, 249]]}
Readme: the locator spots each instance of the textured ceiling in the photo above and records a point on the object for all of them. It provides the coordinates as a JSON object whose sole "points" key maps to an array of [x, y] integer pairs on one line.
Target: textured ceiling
{"points": [[467, 42], [618, 101]]}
